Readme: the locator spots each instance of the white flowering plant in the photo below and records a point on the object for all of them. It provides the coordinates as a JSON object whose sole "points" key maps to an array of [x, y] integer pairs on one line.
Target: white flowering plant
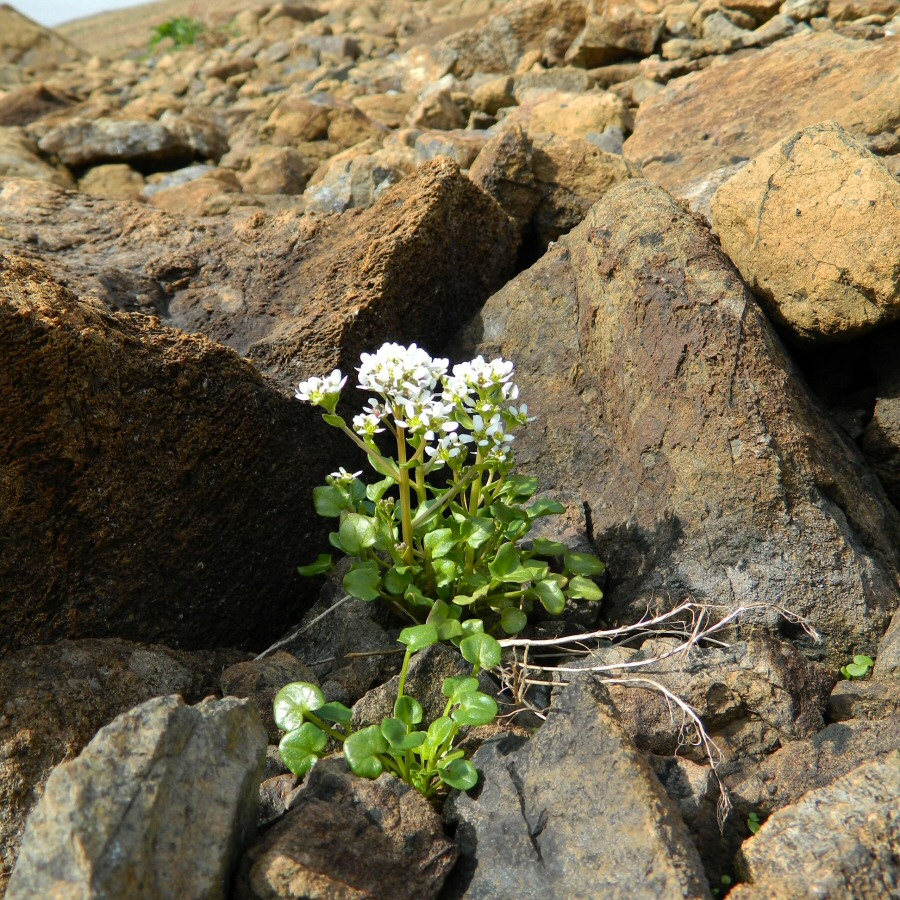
{"points": [[440, 536]]}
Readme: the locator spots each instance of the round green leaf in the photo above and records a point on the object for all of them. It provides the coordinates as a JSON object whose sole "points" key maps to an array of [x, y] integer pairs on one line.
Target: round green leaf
{"points": [[408, 710], [581, 588], [472, 626], [454, 688], [544, 506], [475, 708], [481, 650], [459, 774], [439, 542], [361, 752], [545, 547], [418, 637], [362, 581], [439, 730], [583, 564], [506, 561], [399, 738], [477, 531], [551, 596], [322, 564], [513, 620], [301, 748], [335, 712], [446, 572], [330, 500], [520, 487], [357, 533], [293, 701]]}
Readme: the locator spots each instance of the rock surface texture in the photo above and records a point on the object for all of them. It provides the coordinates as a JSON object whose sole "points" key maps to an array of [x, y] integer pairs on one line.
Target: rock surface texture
{"points": [[813, 225], [665, 399], [158, 805]]}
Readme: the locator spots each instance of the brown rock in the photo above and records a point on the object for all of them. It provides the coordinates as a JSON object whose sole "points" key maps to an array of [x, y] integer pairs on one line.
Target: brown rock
{"points": [[437, 111], [55, 699], [206, 196], [569, 115], [347, 837], [459, 145], [150, 479], [494, 94], [615, 29], [664, 399], [25, 43], [724, 115], [813, 225], [19, 158], [114, 181], [388, 109], [277, 170], [25, 104]]}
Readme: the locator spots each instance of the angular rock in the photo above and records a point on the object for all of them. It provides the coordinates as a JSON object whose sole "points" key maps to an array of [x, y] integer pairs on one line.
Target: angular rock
{"points": [[345, 836], [26, 104], [530, 829], [25, 43], [158, 805], [353, 180], [460, 145], [115, 181], [276, 170], [724, 115], [151, 479], [665, 400], [91, 142], [437, 111], [55, 698], [872, 699], [615, 29], [19, 158], [838, 841], [505, 170], [813, 225], [570, 115]]}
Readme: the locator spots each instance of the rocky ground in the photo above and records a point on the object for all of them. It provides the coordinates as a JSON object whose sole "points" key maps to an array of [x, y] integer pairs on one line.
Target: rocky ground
{"points": [[681, 221]]}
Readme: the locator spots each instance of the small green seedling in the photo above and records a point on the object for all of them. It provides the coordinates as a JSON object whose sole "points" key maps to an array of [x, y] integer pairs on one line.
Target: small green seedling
{"points": [[859, 668], [183, 31], [421, 753], [753, 822]]}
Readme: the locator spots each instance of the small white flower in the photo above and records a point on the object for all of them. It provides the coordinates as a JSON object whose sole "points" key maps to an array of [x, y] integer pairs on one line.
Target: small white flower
{"points": [[342, 476], [401, 374], [321, 391]]}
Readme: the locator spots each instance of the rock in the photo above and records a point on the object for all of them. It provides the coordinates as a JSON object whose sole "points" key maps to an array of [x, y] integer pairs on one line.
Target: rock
{"points": [[838, 841], [752, 697], [99, 680], [698, 194], [141, 510], [881, 437], [568, 79], [437, 111], [813, 225], [159, 804], [803, 10], [114, 181], [664, 399], [461, 146], [19, 158], [530, 828], [569, 115], [274, 794], [354, 179], [872, 699], [91, 142], [24, 105], [24, 43], [211, 194], [276, 170], [345, 836], [259, 680], [499, 43], [299, 119], [495, 94], [722, 115], [390, 109], [615, 29]]}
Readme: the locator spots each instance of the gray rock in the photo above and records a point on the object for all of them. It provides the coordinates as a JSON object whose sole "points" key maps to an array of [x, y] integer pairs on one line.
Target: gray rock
{"points": [[99, 679], [839, 841], [535, 825], [158, 805], [870, 698], [165, 180], [347, 837]]}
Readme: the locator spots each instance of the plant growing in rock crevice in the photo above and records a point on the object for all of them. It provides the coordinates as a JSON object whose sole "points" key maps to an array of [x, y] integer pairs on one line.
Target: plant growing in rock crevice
{"points": [[439, 538]]}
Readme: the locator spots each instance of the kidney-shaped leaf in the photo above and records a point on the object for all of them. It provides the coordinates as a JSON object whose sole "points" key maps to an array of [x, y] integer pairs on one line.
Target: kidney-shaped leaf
{"points": [[475, 708], [459, 774], [481, 650], [418, 637], [301, 747], [361, 752], [293, 700], [399, 738]]}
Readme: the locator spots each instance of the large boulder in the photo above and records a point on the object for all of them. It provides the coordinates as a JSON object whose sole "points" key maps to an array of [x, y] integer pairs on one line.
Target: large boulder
{"points": [[813, 225], [664, 398], [152, 483], [577, 801], [159, 804], [25, 43], [55, 698], [726, 114]]}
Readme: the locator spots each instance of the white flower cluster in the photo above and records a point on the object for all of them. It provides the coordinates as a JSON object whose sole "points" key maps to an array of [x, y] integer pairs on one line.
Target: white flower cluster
{"points": [[320, 390]]}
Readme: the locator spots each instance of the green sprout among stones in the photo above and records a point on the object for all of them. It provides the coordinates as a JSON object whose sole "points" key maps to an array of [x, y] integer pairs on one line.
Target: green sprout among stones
{"points": [[183, 31], [421, 754], [859, 668]]}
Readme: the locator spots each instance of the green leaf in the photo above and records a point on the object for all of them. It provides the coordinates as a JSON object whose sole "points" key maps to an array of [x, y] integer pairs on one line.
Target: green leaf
{"points": [[398, 737], [449, 629], [418, 637], [507, 514], [520, 487], [384, 466], [866, 661], [293, 701], [545, 547], [459, 774], [378, 489], [408, 710], [335, 712], [439, 730], [357, 533], [361, 752], [330, 500], [439, 542], [335, 540], [473, 626], [481, 650], [397, 579], [581, 588], [415, 596], [454, 688], [475, 708], [551, 596], [362, 581], [506, 561], [544, 506], [333, 420], [322, 564], [513, 620], [476, 531], [300, 748], [583, 564], [446, 572]]}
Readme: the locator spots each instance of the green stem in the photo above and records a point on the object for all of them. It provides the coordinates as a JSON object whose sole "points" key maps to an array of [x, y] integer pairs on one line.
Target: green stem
{"points": [[320, 723], [405, 503], [404, 670], [424, 515], [370, 451]]}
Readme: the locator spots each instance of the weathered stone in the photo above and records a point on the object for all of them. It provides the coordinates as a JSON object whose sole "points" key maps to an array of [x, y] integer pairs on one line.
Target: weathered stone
{"points": [[346, 837], [114, 181], [354, 179], [55, 698], [665, 400], [259, 680], [838, 841], [495, 94], [25, 43], [871, 698], [615, 29], [388, 109], [158, 805], [150, 479], [461, 145], [26, 104], [531, 830], [570, 115], [437, 111], [536, 81], [276, 170], [813, 225], [91, 142], [19, 158], [724, 114]]}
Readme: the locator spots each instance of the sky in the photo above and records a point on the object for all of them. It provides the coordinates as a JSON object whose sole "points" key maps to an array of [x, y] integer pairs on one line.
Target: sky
{"points": [[54, 12]]}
